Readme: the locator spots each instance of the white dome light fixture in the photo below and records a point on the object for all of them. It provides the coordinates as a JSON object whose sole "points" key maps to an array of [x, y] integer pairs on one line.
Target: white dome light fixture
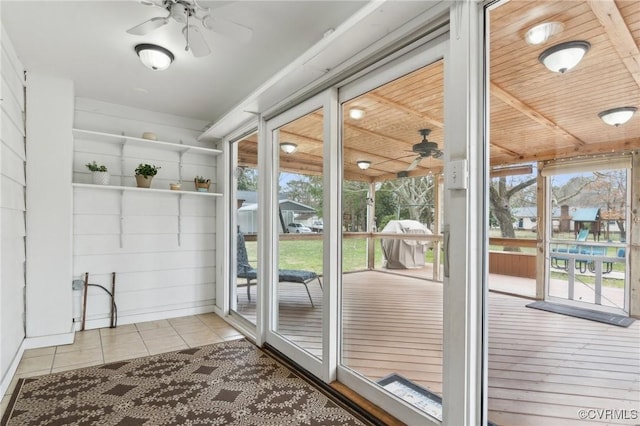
{"points": [[288, 147], [356, 113], [363, 164], [617, 116], [540, 33], [154, 57], [564, 56]]}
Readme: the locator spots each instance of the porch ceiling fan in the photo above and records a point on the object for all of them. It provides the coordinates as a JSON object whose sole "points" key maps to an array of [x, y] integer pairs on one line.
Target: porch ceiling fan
{"points": [[188, 13], [424, 149]]}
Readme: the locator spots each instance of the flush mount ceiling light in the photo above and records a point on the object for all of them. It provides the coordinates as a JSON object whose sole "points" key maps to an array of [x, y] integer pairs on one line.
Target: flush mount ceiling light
{"points": [[540, 33], [288, 147], [564, 56], [356, 113], [154, 57], [363, 164], [617, 116]]}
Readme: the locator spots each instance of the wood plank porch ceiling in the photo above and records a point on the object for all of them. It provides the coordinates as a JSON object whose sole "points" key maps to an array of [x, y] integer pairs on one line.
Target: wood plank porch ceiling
{"points": [[535, 114]]}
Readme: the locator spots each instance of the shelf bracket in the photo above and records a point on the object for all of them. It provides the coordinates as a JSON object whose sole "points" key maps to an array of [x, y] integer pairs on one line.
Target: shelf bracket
{"points": [[121, 217], [124, 143], [180, 220], [180, 167]]}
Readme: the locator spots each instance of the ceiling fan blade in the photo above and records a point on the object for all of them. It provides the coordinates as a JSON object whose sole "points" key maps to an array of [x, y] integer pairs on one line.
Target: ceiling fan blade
{"points": [[196, 41], [415, 163], [227, 28], [437, 153], [148, 26]]}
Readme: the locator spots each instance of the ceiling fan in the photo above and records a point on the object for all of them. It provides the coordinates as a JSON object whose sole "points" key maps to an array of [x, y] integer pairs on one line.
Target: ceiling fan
{"points": [[187, 12], [424, 149]]}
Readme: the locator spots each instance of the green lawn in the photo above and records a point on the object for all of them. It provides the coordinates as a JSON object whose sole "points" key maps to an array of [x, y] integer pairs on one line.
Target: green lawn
{"points": [[307, 255]]}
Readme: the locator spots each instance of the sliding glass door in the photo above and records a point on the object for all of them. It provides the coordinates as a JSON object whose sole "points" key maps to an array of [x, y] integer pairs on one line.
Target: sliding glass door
{"points": [[371, 262], [243, 280], [394, 145], [295, 295]]}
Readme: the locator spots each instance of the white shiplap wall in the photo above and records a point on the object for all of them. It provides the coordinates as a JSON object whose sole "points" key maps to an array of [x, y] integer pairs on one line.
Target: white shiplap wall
{"points": [[12, 211], [161, 245]]}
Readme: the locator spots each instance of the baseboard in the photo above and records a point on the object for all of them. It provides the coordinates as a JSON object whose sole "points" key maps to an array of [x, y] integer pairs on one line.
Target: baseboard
{"points": [[91, 324], [50, 340], [32, 343], [11, 371]]}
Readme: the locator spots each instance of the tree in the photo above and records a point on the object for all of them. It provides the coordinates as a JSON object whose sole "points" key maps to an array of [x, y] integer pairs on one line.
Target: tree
{"points": [[506, 193], [304, 189], [386, 205], [354, 204], [248, 180], [416, 196], [500, 194]]}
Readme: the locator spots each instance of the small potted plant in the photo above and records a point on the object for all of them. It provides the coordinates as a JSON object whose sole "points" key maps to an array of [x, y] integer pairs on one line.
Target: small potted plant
{"points": [[144, 175], [99, 173], [202, 184]]}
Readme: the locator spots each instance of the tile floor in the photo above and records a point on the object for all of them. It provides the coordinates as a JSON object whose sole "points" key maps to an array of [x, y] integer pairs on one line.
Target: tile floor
{"points": [[94, 347]]}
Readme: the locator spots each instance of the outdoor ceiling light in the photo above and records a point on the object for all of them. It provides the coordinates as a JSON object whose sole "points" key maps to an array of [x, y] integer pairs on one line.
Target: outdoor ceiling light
{"points": [[356, 113], [363, 164], [564, 56], [288, 147], [154, 57], [617, 116], [540, 33]]}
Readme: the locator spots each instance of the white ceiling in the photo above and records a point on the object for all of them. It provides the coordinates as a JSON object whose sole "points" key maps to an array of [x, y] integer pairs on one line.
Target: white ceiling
{"points": [[86, 41]]}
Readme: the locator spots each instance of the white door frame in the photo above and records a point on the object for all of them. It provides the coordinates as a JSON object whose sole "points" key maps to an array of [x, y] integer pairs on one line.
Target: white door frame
{"points": [[269, 260], [465, 343], [464, 402]]}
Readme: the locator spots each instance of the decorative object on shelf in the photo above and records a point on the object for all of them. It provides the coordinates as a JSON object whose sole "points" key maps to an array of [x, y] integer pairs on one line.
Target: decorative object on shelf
{"points": [[174, 186], [99, 173], [144, 175], [202, 184], [149, 135]]}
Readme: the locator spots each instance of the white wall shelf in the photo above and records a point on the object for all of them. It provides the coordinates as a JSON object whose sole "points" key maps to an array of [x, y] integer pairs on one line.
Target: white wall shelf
{"points": [[146, 190], [123, 139]]}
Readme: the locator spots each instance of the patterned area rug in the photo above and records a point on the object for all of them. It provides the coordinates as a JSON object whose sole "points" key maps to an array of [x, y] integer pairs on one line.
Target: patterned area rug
{"points": [[231, 383]]}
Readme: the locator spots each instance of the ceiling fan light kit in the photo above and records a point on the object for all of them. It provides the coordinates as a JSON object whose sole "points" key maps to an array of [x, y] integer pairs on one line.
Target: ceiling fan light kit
{"points": [[617, 116], [188, 13], [154, 57], [564, 56], [288, 147]]}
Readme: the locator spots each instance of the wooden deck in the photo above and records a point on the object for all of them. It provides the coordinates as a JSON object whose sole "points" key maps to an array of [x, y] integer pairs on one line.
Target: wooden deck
{"points": [[543, 367]]}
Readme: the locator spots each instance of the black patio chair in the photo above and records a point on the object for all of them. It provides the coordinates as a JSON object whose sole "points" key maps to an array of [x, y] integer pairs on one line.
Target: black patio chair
{"points": [[246, 271]]}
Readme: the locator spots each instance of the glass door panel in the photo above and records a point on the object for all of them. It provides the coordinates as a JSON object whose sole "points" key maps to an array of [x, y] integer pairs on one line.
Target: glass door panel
{"points": [[392, 290], [244, 282], [588, 238], [295, 295], [300, 245]]}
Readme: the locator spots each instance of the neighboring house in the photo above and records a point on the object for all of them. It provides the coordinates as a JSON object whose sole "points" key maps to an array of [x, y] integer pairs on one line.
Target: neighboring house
{"points": [[571, 219], [290, 211], [525, 218]]}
